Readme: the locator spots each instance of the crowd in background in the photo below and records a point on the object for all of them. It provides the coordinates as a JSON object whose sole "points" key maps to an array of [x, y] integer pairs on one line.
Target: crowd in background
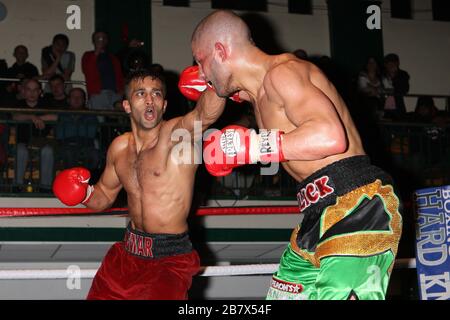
{"points": [[376, 93], [74, 135]]}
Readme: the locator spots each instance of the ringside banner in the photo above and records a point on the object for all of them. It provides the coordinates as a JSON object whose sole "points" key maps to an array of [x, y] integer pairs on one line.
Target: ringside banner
{"points": [[433, 242]]}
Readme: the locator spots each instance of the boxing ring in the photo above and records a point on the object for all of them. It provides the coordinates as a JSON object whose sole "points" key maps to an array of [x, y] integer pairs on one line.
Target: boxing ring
{"points": [[237, 272]]}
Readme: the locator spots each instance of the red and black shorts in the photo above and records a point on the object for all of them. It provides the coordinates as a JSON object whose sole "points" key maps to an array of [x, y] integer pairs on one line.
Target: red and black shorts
{"points": [[147, 267]]}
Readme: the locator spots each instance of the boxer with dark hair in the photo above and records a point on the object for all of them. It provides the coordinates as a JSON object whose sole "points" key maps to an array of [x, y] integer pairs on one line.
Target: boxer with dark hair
{"points": [[156, 259], [346, 245]]}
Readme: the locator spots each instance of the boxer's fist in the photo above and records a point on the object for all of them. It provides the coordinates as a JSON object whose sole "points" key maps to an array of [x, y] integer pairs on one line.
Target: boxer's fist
{"points": [[191, 86], [234, 146], [71, 186]]}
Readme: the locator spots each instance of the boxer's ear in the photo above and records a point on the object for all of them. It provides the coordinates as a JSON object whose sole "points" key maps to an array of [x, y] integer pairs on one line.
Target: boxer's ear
{"points": [[221, 51], [126, 106]]}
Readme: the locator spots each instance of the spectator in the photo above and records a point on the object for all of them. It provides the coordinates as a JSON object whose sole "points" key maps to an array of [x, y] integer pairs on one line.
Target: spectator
{"points": [[21, 68], [36, 138], [55, 59], [369, 87], [396, 85], [301, 54], [133, 57], [425, 110], [369, 79], [103, 73], [56, 98], [76, 133], [427, 146]]}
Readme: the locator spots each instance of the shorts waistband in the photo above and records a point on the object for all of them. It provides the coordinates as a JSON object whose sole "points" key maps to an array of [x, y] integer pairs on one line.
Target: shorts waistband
{"points": [[156, 245], [322, 187]]}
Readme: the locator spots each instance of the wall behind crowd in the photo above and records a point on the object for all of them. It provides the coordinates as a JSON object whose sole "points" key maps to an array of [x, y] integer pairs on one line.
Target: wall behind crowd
{"points": [[34, 23], [173, 26], [422, 44]]}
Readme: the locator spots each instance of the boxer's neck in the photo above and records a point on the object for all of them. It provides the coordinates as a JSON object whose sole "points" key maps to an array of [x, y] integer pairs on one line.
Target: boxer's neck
{"points": [[251, 69], [147, 139]]}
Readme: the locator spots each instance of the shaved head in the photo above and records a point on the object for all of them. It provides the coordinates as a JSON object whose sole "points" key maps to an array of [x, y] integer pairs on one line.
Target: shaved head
{"points": [[219, 41], [221, 25]]}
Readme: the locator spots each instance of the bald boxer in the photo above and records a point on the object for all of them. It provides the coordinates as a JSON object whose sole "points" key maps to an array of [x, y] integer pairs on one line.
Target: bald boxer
{"points": [[156, 259], [345, 246]]}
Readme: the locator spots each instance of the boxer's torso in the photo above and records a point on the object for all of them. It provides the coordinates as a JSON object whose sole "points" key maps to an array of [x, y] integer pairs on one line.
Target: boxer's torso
{"points": [[273, 116], [159, 190]]}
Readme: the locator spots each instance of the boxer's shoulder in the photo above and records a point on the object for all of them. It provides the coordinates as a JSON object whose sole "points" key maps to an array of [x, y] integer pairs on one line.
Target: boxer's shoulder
{"points": [[120, 143], [288, 70]]}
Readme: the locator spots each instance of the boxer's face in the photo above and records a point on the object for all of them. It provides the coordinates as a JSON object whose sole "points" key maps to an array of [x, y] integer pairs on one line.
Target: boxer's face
{"points": [[145, 103], [213, 69]]}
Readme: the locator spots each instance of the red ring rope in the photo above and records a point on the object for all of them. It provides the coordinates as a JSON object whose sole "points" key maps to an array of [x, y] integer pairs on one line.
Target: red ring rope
{"points": [[31, 212]]}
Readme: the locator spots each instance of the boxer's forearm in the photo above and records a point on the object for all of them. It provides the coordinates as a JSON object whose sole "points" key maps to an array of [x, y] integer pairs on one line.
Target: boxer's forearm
{"points": [[314, 141], [99, 200], [210, 107]]}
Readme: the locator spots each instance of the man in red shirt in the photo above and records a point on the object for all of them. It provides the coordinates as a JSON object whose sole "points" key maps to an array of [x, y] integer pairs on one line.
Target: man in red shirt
{"points": [[104, 79]]}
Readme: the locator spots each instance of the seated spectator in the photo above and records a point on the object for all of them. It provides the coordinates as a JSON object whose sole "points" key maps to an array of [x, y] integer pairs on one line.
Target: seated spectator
{"points": [[427, 112], [34, 136], [396, 85], [76, 132], [55, 59], [103, 74], [425, 109], [56, 98], [428, 140]]}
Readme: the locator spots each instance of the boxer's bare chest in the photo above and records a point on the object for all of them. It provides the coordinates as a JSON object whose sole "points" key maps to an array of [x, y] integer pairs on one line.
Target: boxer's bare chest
{"points": [[142, 170]]}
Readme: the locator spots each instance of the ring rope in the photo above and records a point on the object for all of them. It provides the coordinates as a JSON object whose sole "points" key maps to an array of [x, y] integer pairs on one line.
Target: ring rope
{"points": [[35, 212], [209, 271]]}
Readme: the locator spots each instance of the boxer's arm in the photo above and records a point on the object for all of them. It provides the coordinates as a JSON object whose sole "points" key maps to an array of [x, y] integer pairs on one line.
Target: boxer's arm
{"points": [[319, 132], [207, 110], [109, 185]]}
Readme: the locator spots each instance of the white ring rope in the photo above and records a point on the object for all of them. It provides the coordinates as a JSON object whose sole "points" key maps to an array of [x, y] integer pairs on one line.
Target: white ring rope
{"points": [[210, 271]]}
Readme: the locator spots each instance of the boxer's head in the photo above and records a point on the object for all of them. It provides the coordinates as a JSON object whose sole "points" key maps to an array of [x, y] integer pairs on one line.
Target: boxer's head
{"points": [[218, 43], [145, 100]]}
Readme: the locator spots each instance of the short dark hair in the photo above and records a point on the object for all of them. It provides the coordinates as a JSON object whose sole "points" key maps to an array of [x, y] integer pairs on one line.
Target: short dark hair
{"points": [[98, 31], [20, 46], [78, 89], [25, 81], [391, 57], [61, 36], [141, 74], [56, 77]]}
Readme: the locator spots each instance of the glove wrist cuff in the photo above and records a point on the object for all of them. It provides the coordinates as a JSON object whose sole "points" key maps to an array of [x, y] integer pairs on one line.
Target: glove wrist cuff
{"points": [[89, 192], [269, 145]]}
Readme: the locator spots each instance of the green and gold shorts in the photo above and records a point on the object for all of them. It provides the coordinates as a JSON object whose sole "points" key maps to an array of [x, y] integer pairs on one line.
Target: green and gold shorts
{"points": [[346, 245]]}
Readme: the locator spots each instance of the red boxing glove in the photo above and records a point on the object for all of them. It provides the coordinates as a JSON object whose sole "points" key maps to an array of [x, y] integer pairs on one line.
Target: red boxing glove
{"points": [[71, 186], [192, 87], [235, 146]]}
